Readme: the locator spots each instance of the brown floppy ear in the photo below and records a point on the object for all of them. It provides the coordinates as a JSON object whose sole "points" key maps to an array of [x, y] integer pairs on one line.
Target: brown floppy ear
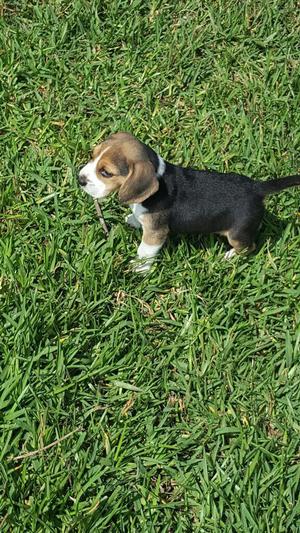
{"points": [[140, 183]]}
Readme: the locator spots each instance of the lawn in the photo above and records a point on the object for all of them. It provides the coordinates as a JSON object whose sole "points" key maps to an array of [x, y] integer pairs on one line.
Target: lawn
{"points": [[168, 402]]}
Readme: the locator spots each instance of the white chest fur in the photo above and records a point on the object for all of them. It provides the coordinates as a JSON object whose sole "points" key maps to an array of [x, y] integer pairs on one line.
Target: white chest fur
{"points": [[138, 210]]}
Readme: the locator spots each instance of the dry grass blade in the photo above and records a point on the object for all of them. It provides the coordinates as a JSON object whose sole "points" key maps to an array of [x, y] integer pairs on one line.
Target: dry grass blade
{"points": [[33, 453]]}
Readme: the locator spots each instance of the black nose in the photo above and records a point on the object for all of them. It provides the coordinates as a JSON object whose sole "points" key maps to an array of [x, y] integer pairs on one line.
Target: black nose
{"points": [[82, 179]]}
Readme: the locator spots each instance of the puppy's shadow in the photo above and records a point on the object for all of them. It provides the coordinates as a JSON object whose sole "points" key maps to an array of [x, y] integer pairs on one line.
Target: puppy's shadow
{"points": [[272, 228]]}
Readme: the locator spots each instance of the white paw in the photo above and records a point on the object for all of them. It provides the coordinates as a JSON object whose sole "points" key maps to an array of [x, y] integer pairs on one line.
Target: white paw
{"points": [[132, 221], [141, 265], [231, 253]]}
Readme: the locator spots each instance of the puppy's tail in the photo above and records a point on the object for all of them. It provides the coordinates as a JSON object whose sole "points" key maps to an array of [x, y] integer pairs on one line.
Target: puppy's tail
{"points": [[275, 186]]}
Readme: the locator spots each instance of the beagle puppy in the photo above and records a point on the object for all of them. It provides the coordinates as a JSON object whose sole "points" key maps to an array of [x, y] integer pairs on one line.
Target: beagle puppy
{"points": [[167, 198]]}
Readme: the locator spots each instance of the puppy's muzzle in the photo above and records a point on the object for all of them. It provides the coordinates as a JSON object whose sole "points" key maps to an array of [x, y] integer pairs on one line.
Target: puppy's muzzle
{"points": [[82, 179]]}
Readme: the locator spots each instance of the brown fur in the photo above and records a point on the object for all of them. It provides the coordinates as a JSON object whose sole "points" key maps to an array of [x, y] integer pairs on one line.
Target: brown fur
{"points": [[140, 184], [133, 175], [155, 228]]}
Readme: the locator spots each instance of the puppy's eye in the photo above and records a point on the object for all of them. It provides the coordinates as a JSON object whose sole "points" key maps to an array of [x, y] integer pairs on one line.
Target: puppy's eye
{"points": [[104, 173]]}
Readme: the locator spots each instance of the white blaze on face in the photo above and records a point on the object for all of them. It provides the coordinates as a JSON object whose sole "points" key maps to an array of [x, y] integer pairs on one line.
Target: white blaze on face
{"points": [[94, 186]]}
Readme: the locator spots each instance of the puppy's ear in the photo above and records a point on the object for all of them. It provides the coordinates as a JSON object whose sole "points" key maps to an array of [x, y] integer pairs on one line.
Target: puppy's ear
{"points": [[140, 183]]}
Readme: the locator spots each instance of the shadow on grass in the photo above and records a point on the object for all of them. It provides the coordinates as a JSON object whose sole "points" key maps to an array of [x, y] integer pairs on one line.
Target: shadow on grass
{"points": [[272, 229]]}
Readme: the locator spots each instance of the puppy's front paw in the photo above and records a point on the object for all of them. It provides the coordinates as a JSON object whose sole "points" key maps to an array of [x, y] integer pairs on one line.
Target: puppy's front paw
{"points": [[141, 265], [132, 221]]}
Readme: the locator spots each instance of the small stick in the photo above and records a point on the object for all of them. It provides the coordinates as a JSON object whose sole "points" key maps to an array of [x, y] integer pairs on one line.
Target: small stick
{"points": [[101, 218], [36, 452]]}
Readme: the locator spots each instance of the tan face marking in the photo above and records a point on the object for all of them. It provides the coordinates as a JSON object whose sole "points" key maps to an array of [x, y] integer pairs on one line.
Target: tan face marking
{"points": [[120, 163], [95, 187]]}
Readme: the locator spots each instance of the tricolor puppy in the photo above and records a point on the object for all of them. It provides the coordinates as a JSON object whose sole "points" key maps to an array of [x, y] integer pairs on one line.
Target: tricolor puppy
{"points": [[167, 198]]}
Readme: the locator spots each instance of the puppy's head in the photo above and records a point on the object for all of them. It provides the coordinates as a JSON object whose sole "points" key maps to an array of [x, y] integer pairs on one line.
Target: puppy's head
{"points": [[123, 164]]}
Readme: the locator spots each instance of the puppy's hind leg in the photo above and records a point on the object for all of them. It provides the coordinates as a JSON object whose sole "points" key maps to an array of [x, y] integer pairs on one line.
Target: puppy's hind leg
{"points": [[241, 240], [241, 235]]}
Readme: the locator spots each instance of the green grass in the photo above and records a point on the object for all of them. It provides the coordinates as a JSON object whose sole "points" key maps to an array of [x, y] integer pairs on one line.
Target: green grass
{"points": [[183, 386]]}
